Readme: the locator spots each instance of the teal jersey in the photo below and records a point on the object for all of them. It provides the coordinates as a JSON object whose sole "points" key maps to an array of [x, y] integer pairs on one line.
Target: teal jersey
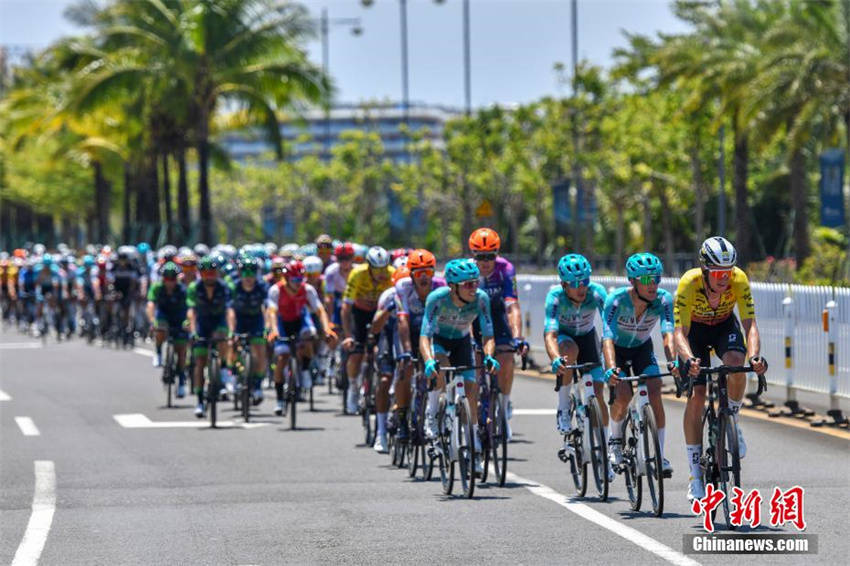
{"points": [[444, 319], [566, 318], [620, 324]]}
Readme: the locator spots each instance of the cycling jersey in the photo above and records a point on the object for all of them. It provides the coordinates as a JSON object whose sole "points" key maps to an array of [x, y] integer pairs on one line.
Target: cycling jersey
{"points": [[692, 303], [50, 282], [620, 325], [410, 305], [364, 286], [249, 304], [500, 286], [209, 307], [169, 307], [443, 318], [291, 307], [388, 345], [335, 282], [565, 318], [319, 285]]}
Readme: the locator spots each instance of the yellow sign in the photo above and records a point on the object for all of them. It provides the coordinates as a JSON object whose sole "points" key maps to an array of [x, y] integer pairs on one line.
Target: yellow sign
{"points": [[484, 210]]}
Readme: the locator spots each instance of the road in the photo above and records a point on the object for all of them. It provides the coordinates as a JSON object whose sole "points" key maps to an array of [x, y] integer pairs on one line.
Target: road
{"points": [[186, 494]]}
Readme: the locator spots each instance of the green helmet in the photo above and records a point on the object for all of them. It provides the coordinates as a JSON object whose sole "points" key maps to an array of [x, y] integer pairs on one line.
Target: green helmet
{"points": [[249, 265], [208, 263], [170, 270]]}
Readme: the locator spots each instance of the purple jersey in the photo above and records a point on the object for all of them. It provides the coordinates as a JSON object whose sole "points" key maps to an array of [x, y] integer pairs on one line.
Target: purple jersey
{"points": [[500, 286]]}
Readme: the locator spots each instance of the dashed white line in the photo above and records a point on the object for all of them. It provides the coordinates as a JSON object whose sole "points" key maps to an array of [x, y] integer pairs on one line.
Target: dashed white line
{"points": [[138, 420], [594, 516], [27, 426], [20, 345], [43, 508], [5, 396], [143, 352]]}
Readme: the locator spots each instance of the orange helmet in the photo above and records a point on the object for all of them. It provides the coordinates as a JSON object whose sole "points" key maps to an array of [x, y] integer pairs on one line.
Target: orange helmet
{"points": [[21, 253], [400, 273], [421, 258], [484, 240]]}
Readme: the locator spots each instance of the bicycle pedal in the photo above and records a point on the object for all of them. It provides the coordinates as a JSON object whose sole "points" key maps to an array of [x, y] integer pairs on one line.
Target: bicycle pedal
{"points": [[563, 456]]}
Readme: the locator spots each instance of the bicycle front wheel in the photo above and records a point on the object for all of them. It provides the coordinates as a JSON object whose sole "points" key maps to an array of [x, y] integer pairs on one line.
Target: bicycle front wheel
{"points": [[634, 483], [213, 386], [247, 387], [578, 467], [447, 466], [293, 390], [729, 462], [652, 459], [598, 449], [498, 438], [168, 374], [466, 449]]}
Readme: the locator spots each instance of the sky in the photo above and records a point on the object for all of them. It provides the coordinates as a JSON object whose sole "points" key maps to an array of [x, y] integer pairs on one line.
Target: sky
{"points": [[514, 44]]}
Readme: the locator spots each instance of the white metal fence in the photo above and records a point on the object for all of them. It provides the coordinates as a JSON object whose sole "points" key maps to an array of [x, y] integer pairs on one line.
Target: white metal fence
{"points": [[811, 371]]}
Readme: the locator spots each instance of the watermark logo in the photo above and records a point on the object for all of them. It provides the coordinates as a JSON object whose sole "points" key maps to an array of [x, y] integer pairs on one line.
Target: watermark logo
{"points": [[785, 507]]}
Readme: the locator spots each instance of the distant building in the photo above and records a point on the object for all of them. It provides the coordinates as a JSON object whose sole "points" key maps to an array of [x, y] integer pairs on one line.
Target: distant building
{"points": [[313, 134]]}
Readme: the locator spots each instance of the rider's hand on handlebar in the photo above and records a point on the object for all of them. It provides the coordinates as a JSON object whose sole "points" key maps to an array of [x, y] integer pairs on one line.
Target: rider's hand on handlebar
{"points": [[558, 366], [521, 346], [491, 365], [612, 376], [759, 365], [430, 368], [273, 334], [673, 367], [692, 367], [348, 344]]}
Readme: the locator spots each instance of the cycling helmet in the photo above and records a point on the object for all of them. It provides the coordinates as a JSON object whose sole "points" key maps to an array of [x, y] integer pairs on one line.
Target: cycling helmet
{"points": [[249, 266], [39, 249], [143, 247], [208, 263], [188, 259], [344, 250], [294, 269], [400, 252], [643, 264], [377, 257], [201, 250], [421, 258], [308, 250], [170, 270], [313, 265], [718, 252], [400, 274], [460, 270], [47, 260], [21, 253], [271, 248], [484, 240], [360, 252], [88, 260], [573, 268], [324, 241], [166, 253], [400, 262]]}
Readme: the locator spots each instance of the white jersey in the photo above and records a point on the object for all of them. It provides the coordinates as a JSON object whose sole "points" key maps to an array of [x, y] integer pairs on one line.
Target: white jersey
{"points": [[335, 282]]}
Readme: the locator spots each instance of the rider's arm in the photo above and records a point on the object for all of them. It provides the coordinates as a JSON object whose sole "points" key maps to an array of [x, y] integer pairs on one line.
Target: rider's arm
{"points": [[231, 320], [190, 316], [151, 311], [515, 319], [667, 325], [404, 332], [379, 320], [432, 306], [609, 331], [753, 340], [271, 311], [551, 341], [346, 319], [191, 303], [550, 322]]}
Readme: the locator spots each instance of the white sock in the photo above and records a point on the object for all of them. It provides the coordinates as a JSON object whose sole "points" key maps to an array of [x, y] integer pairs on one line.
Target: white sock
{"points": [[735, 407], [616, 429], [564, 400], [661, 432], [507, 398], [694, 452], [382, 424], [306, 378], [433, 402]]}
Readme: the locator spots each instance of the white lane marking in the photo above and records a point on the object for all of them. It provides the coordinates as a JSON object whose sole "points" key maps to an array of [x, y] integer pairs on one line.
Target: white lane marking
{"points": [[20, 345], [594, 516], [534, 412], [5, 396], [27, 426], [138, 420], [143, 352], [43, 507]]}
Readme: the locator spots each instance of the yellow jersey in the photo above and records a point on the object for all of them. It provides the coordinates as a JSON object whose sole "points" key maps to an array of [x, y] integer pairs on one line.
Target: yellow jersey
{"points": [[363, 288], [692, 303]]}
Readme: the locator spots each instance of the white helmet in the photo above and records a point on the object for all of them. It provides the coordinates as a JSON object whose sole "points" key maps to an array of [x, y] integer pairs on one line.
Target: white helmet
{"points": [[313, 265], [718, 252], [377, 257], [400, 262]]}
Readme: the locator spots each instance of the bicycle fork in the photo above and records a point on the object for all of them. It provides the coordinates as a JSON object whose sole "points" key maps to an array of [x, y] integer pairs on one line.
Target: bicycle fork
{"points": [[636, 408]]}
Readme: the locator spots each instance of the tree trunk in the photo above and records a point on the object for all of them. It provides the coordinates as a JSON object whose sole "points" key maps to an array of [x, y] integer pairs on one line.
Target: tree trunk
{"points": [[699, 191], [647, 220], [620, 236], [800, 202], [101, 205], [183, 216], [128, 197], [740, 163], [204, 208], [166, 197], [667, 226]]}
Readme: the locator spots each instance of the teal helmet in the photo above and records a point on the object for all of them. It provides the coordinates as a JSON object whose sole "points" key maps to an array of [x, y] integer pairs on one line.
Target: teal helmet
{"points": [[88, 261], [643, 264], [170, 270], [573, 268], [460, 270], [47, 260], [143, 248]]}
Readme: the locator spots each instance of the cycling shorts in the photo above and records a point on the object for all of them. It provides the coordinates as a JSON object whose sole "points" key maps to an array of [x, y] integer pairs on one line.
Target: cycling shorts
{"points": [[208, 328], [638, 360], [254, 327], [360, 331], [588, 352], [459, 351], [724, 337], [302, 328]]}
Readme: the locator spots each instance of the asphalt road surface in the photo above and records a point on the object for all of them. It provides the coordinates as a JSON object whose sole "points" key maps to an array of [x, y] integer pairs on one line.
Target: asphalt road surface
{"points": [[80, 488]]}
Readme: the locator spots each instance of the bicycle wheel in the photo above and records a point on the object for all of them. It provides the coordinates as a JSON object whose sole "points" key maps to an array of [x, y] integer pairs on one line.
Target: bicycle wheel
{"points": [[729, 462], [447, 467], [498, 440], [598, 449], [213, 388], [485, 430], [634, 483], [651, 451], [293, 390], [466, 448], [247, 386], [168, 373], [709, 458], [578, 468]]}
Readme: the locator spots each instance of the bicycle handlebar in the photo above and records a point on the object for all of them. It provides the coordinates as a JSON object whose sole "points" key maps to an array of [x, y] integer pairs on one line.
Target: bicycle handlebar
{"points": [[612, 391], [726, 370], [432, 381], [559, 382]]}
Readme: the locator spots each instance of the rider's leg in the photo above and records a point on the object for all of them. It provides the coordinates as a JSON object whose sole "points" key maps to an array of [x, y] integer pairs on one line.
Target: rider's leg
{"points": [[619, 408], [567, 347], [654, 387]]}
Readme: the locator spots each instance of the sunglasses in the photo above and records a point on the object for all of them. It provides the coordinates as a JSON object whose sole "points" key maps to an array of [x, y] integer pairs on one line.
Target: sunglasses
{"points": [[470, 284], [344, 258], [485, 257], [296, 280], [577, 284], [420, 273], [649, 279], [209, 273], [720, 273], [325, 246]]}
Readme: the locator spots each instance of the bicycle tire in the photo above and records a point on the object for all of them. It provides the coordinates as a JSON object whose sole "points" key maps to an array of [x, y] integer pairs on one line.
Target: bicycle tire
{"points": [[247, 386], [634, 482], [578, 468], [485, 428], [498, 439], [293, 390], [729, 463], [421, 441], [466, 449], [213, 387], [168, 373], [598, 449], [447, 467], [652, 461], [708, 459]]}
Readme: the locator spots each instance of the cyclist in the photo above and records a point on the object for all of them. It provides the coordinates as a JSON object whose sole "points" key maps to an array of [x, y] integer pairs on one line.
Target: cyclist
{"points": [[249, 299], [705, 300], [412, 293], [570, 331], [50, 287], [188, 263], [364, 287], [209, 301], [313, 269], [166, 312], [445, 338], [122, 277], [276, 274], [629, 316], [290, 303], [336, 280], [498, 280], [85, 293], [325, 250]]}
